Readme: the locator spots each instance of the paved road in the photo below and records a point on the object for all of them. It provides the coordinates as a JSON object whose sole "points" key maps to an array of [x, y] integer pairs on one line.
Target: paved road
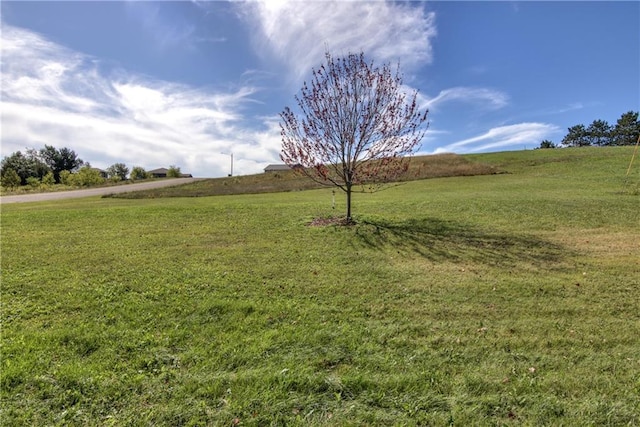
{"points": [[59, 195]]}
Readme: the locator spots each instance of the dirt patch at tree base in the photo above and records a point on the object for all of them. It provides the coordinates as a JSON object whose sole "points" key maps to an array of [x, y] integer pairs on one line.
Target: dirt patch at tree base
{"points": [[323, 222]]}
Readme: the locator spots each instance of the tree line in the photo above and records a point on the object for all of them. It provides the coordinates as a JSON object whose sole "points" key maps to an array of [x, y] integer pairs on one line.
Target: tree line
{"points": [[50, 166], [601, 133]]}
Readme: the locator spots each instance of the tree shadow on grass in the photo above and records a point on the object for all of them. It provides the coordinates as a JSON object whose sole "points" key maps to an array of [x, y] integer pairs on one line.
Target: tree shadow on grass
{"points": [[439, 240]]}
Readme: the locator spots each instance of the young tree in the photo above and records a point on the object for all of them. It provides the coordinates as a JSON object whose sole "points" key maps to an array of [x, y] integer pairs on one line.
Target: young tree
{"points": [[118, 171], [138, 173], [627, 129], [174, 172], [358, 126], [10, 178]]}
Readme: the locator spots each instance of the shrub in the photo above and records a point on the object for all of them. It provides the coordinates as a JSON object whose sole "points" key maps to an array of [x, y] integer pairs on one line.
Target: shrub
{"points": [[10, 179], [87, 177], [33, 182], [174, 172], [66, 178], [48, 179], [138, 173]]}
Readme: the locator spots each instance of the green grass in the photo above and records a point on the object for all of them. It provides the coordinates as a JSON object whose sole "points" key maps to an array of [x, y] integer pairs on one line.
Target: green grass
{"points": [[510, 299]]}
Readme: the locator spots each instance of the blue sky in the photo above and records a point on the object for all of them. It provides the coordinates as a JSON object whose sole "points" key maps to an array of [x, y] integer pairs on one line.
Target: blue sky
{"points": [[186, 83]]}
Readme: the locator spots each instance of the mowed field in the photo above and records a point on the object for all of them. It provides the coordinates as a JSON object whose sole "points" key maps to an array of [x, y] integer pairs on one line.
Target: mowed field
{"points": [[504, 299]]}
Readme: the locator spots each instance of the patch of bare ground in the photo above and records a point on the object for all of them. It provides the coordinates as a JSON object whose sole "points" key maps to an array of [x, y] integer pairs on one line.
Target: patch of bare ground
{"points": [[324, 222]]}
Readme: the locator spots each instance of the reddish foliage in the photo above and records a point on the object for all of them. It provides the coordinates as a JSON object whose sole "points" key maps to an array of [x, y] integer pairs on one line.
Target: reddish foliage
{"points": [[357, 127]]}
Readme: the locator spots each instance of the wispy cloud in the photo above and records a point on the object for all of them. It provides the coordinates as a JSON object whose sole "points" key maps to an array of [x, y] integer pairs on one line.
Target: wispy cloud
{"points": [[298, 33], [52, 95], [488, 98], [165, 33], [503, 137], [565, 109]]}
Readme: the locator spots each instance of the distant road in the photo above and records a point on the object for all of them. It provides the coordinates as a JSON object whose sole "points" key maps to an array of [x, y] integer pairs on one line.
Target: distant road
{"points": [[74, 194]]}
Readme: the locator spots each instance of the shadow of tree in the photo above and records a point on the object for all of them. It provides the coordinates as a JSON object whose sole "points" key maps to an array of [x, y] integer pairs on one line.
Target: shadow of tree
{"points": [[440, 240]]}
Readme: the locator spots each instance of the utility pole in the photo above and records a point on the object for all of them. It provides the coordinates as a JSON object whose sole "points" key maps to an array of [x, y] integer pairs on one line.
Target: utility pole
{"points": [[230, 154]]}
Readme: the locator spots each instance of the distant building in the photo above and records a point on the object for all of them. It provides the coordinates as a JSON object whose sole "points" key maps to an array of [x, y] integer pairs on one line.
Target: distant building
{"points": [[162, 173], [159, 173], [276, 168]]}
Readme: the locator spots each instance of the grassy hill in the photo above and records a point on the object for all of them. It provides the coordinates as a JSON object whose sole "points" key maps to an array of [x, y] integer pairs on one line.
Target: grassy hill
{"points": [[498, 299], [421, 167]]}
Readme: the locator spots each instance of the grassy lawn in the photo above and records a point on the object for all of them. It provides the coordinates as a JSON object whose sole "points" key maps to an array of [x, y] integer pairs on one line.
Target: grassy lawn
{"points": [[486, 300]]}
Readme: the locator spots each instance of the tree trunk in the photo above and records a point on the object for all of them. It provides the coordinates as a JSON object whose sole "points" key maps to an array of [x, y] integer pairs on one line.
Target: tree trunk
{"points": [[348, 203]]}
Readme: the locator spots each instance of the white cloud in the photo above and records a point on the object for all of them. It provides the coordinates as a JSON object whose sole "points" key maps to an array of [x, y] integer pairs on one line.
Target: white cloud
{"points": [[503, 137], [52, 95], [489, 98], [299, 32]]}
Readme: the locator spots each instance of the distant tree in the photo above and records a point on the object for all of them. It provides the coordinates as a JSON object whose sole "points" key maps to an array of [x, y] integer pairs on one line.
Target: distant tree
{"points": [[60, 160], [25, 165], [547, 144], [40, 168], [358, 126], [174, 172], [118, 171], [10, 178], [138, 173], [18, 163], [599, 133], [86, 177], [626, 130], [576, 137]]}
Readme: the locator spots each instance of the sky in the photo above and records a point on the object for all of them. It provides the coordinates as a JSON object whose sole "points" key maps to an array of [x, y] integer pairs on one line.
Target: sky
{"points": [[200, 84]]}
